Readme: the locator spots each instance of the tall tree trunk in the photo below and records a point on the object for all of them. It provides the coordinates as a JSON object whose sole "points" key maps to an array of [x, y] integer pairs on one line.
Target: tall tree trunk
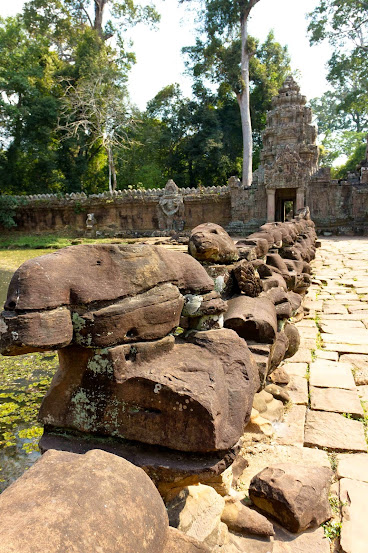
{"points": [[99, 11], [243, 101], [112, 170]]}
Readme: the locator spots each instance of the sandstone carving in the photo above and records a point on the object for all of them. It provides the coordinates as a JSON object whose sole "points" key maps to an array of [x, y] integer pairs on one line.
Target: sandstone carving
{"points": [[171, 208], [211, 243]]}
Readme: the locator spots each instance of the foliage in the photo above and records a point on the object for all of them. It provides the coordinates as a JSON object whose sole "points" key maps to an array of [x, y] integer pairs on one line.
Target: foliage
{"points": [[55, 48], [8, 210], [332, 529], [354, 159], [345, 107], [340, 21]]}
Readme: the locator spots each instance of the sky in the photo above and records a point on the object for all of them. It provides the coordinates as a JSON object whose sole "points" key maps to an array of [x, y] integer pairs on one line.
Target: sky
{"points": [[159, 59]]}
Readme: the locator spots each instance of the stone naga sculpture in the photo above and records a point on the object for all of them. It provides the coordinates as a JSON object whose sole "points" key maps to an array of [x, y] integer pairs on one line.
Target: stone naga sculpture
{"points": [[111, 311]]}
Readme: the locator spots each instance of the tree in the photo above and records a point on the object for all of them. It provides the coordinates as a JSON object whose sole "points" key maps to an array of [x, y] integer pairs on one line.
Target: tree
{"points": [[343, 111], [340, 22], [222, 21], [96, 107], [29, 102], [51, 52]]}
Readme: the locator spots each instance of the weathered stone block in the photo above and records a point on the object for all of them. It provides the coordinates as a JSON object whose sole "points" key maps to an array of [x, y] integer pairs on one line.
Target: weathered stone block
{"points": [[194, 397], [80, 503], [296, 496], [103, 272], [252, 318], [36, 331]]}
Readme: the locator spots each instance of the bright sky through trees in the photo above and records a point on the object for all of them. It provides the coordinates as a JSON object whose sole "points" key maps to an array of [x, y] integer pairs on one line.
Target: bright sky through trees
{"points": [[159, 58]]}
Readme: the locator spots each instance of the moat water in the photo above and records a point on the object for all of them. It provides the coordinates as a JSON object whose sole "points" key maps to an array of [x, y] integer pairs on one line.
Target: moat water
{"points": [[23, 382]]}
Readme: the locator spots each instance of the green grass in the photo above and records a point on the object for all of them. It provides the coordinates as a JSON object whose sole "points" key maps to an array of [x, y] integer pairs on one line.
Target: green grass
{"points": [[48, 241]]}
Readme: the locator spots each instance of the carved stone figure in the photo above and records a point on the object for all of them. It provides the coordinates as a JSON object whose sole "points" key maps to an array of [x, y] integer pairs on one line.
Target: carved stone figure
{"points": [[90, 221], [171, 208]]}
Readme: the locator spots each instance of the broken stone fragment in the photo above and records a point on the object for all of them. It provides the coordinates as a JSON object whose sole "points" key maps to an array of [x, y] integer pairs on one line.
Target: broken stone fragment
{"points": [[247, 279], [148, 316], [296, 496], [252, 318], [260, 244], [295, 301], [211, 243], [276, 295], [274, 281], [195, 396], [178, 542], [196, 511], [280, 376], [80, 275], [275, 260], [242, 519], [277, 392], [293, 336], [284, 310], [36, 331], [278, 350], [80, 503]]}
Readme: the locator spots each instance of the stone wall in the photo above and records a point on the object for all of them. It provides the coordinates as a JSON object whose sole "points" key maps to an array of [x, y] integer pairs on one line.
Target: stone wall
{"points": [[125, 212]]}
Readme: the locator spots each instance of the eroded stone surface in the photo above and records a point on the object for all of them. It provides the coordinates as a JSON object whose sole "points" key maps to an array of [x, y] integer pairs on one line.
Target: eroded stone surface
{"points": [[184, 400], [80, 503], [196, 511], [336, 400], [354, 466], [334, 432], [354, 532], [211, 243], [326, 374], [296, 496]]}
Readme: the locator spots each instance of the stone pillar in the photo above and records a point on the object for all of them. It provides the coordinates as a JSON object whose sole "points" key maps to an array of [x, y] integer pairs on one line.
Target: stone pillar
{"points": [[299, 199], [271, 205]]}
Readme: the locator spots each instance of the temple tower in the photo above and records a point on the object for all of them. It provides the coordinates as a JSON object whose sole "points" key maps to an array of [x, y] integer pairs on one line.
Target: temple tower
{"points": [[290, 153]]}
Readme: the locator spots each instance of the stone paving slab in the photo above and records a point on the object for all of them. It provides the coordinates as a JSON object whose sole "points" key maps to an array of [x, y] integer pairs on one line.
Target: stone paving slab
{"points": [[340, 325], [312, 541], [346, 348], [354, 466], [336, 400], [353, 336], [349, 317], [328, 355], [296, 369], [305, 323], [301, 356], [308, 343], [291, 430], [326, 374], [363, 393], [298, 390], [354, 532], [311, 332], [333, 432], [360, 313], [333, 308]]}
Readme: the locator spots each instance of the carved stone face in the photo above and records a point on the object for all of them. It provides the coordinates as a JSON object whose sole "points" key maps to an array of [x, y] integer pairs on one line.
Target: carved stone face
{"points": [[210, 242]]}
